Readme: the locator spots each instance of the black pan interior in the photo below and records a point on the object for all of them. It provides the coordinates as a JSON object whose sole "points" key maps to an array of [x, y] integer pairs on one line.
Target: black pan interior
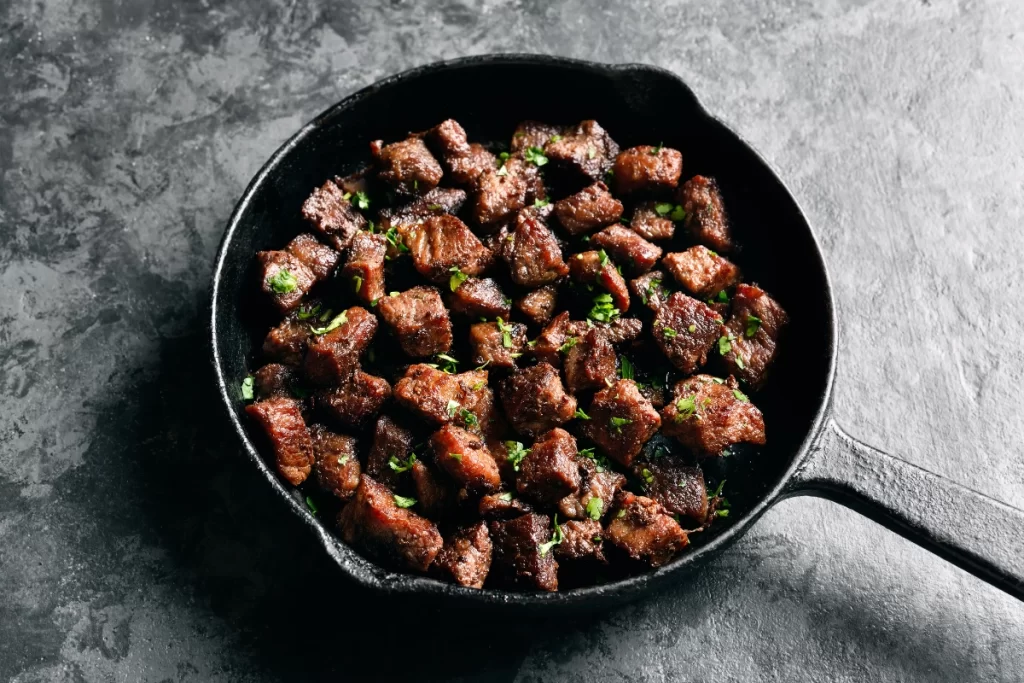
{"points": [[637, 105]]}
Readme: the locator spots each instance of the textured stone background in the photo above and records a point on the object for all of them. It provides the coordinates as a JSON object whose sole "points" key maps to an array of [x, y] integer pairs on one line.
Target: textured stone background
{"points": [[136, 546]]}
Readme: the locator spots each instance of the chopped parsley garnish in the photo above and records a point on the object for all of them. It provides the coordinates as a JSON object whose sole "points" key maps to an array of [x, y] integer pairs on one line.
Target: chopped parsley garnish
{"points": [[468, 418], [657, 150], [722, 297], [506, 333], [753, 325], [479, 385], [516, 453], [591, 152], [307, 313], [502, 171], [718, 491], [603, 310], [569, 343], [362, 201], [457, 278], [535, 155], [604, 257], [600, 460], [626, 369], [403, 501], [393, 293], [618, 423], [686, 408], [663, 208], [651, 291], [370, 227], [395, 240], [311, 505], [541, 203], [669, 333], [452, 408], [344, 458], [581, 415], [504, 157], [399, 465], [678, 213], [647, 475], [336, 322], [740, 396], [621, 514], [556, 538], [555, 138], [675, 212], [357, 282], [739, 361], [457, 457], [282, 282], [448, 363], [433, 207], [724, 345], [247, 388], [595, 506], [507, 497], [692, 328]]}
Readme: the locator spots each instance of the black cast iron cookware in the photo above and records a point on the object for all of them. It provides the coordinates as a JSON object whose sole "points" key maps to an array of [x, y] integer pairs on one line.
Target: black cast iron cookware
{"points": [[807, 453]]}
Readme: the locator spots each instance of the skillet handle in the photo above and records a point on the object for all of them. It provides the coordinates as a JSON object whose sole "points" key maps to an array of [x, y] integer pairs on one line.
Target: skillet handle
{"points": [[971, 530]]}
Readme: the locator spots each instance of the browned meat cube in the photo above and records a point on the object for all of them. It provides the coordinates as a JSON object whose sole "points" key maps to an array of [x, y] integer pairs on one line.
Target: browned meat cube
{"points": [[679, 488], [585, 150], [465, 558], [275, 379], [647, 169], [480, 298], [596, 494], [364, 267], [503, 506], [464, 162], [588, 209], [391, 454], [629, 248], [550, 471], [708, 415], [333, 356], [651, 289], [652, 222], [644, 531], [535, 400], [505, 190], [336, 462], [319, 258], [408, 165], [282, 422], [685, 330], [497, 344], [284, 279], [701, 271], [590, 362], [439, 244], [287, 342], [594, 267], [552, 338], [329, 211], [539, 305], [468, 169], [438, 201], [435, 497], [356, 400], [419, 320], [533, 134], [706, 219], [532, 253], [447, 139], [751, 336], [466, 459], [582, 540], [621, 421], [618, 331], [518, 561], [374, 523], [463, 399]]}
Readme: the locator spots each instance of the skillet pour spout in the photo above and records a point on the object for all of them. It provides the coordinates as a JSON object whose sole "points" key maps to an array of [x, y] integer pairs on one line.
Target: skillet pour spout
{"points": [[807, 453]]}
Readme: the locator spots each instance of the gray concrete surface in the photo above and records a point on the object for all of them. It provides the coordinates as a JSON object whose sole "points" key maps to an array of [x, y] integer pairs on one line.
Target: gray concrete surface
{"points": [[136, 546]]}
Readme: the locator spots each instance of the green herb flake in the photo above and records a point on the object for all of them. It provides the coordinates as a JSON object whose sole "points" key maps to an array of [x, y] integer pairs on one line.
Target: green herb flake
{"points": [[357, 283], [307, 313], [739, 362], [604, 257], [457, 278], [721, 513], [595, 506], [362, 201], [478, 386], [343, 459], [468, 418], [621, 514], [395, 240], [282, 282], [506, 333], [507, 496], [647, 475], [541, 203], [686, 408], [740, 396], [502, 171], [516, 453], [753, 325], [452, 408], [335, 323], [669, 333], [657, 150], [447, 364], [722, 297], [311, 505], [678, 214], [618, 423], [457, 457], [557, 536], [569, 343], [724, 345], [247, 388], [626, 369], [603, 309], [691, 329], [591, 152], [403, 501], [393, 294], [535, 155], [581, 415], [399, 465], [555, 138], [663, 208]]}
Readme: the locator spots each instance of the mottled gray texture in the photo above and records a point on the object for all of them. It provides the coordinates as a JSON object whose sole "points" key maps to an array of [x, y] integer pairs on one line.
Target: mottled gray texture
{"points": [[136, 545]]}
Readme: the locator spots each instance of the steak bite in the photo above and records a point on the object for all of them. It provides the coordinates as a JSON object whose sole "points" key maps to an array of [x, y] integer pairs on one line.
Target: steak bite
{"points": [[497, 344], [751, 336], [586, 150], [319, 258], [440, 200], [594, 267], [356, 400], [518, 562], [282, 422], [552, 338], [364, 267], [408, 165], [628, 247], [438, 397], [588, 209], [685, 330], [647, 169], [435, 496], [284, 279], [678, 488], [549, 472], [391, 455], [441, 243], [419, 320], [650, 288], [287, 342], [533, 134], [708, 415], [532, 253], [644, 531], [618, 331], [373, 522], [706, 219], [329, 211], [539, 305], [479, 298], [273, 380], [581, 540], [465, 558], [596, 494], [621, 421], [502, 506], [702, 272], [336, 462], [333, 356], [535, 400], [652, 222], [466, 459], [590, 362], [463, 161], [503, 191]]}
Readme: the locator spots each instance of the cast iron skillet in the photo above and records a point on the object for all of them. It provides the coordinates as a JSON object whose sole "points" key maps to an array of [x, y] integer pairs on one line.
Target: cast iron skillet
{"points": [[807, 453]]}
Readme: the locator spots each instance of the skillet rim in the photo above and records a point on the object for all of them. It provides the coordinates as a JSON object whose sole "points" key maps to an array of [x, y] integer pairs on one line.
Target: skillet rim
{"points": [[368, 574]]}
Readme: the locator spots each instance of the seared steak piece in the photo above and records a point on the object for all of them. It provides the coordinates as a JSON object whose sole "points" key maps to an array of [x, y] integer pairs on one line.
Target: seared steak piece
{"points": [[463, 399], [408, 165], [373, 522], [648, 169], [644, 531], [435, 496], [336, 462], [706, 220], [596, 494], [497, 344], [466, 459], [419, 320], [443, 242], [388, 460], [480, 298], [549, 472], [333, 356], [583, 540], [708, 415], [539, 305], [319, 258], [685, 330], [551, 340], [590, 362], [465, 558], [533, 134], [628, 247], [505, 190], [679, 488], [594, 267], [586, 150], [274, 380], [535, 400], [650, 288], [282, 422], [503, 506], [329, 211], [621, 421], [751, 336], [532, 253], [438, 201], [518, 561], [356, 400], [652, 224], [588, 209], [287, 342], [364, 268], [464, 162], [701, 271], [618, 331], [284, 279]]}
